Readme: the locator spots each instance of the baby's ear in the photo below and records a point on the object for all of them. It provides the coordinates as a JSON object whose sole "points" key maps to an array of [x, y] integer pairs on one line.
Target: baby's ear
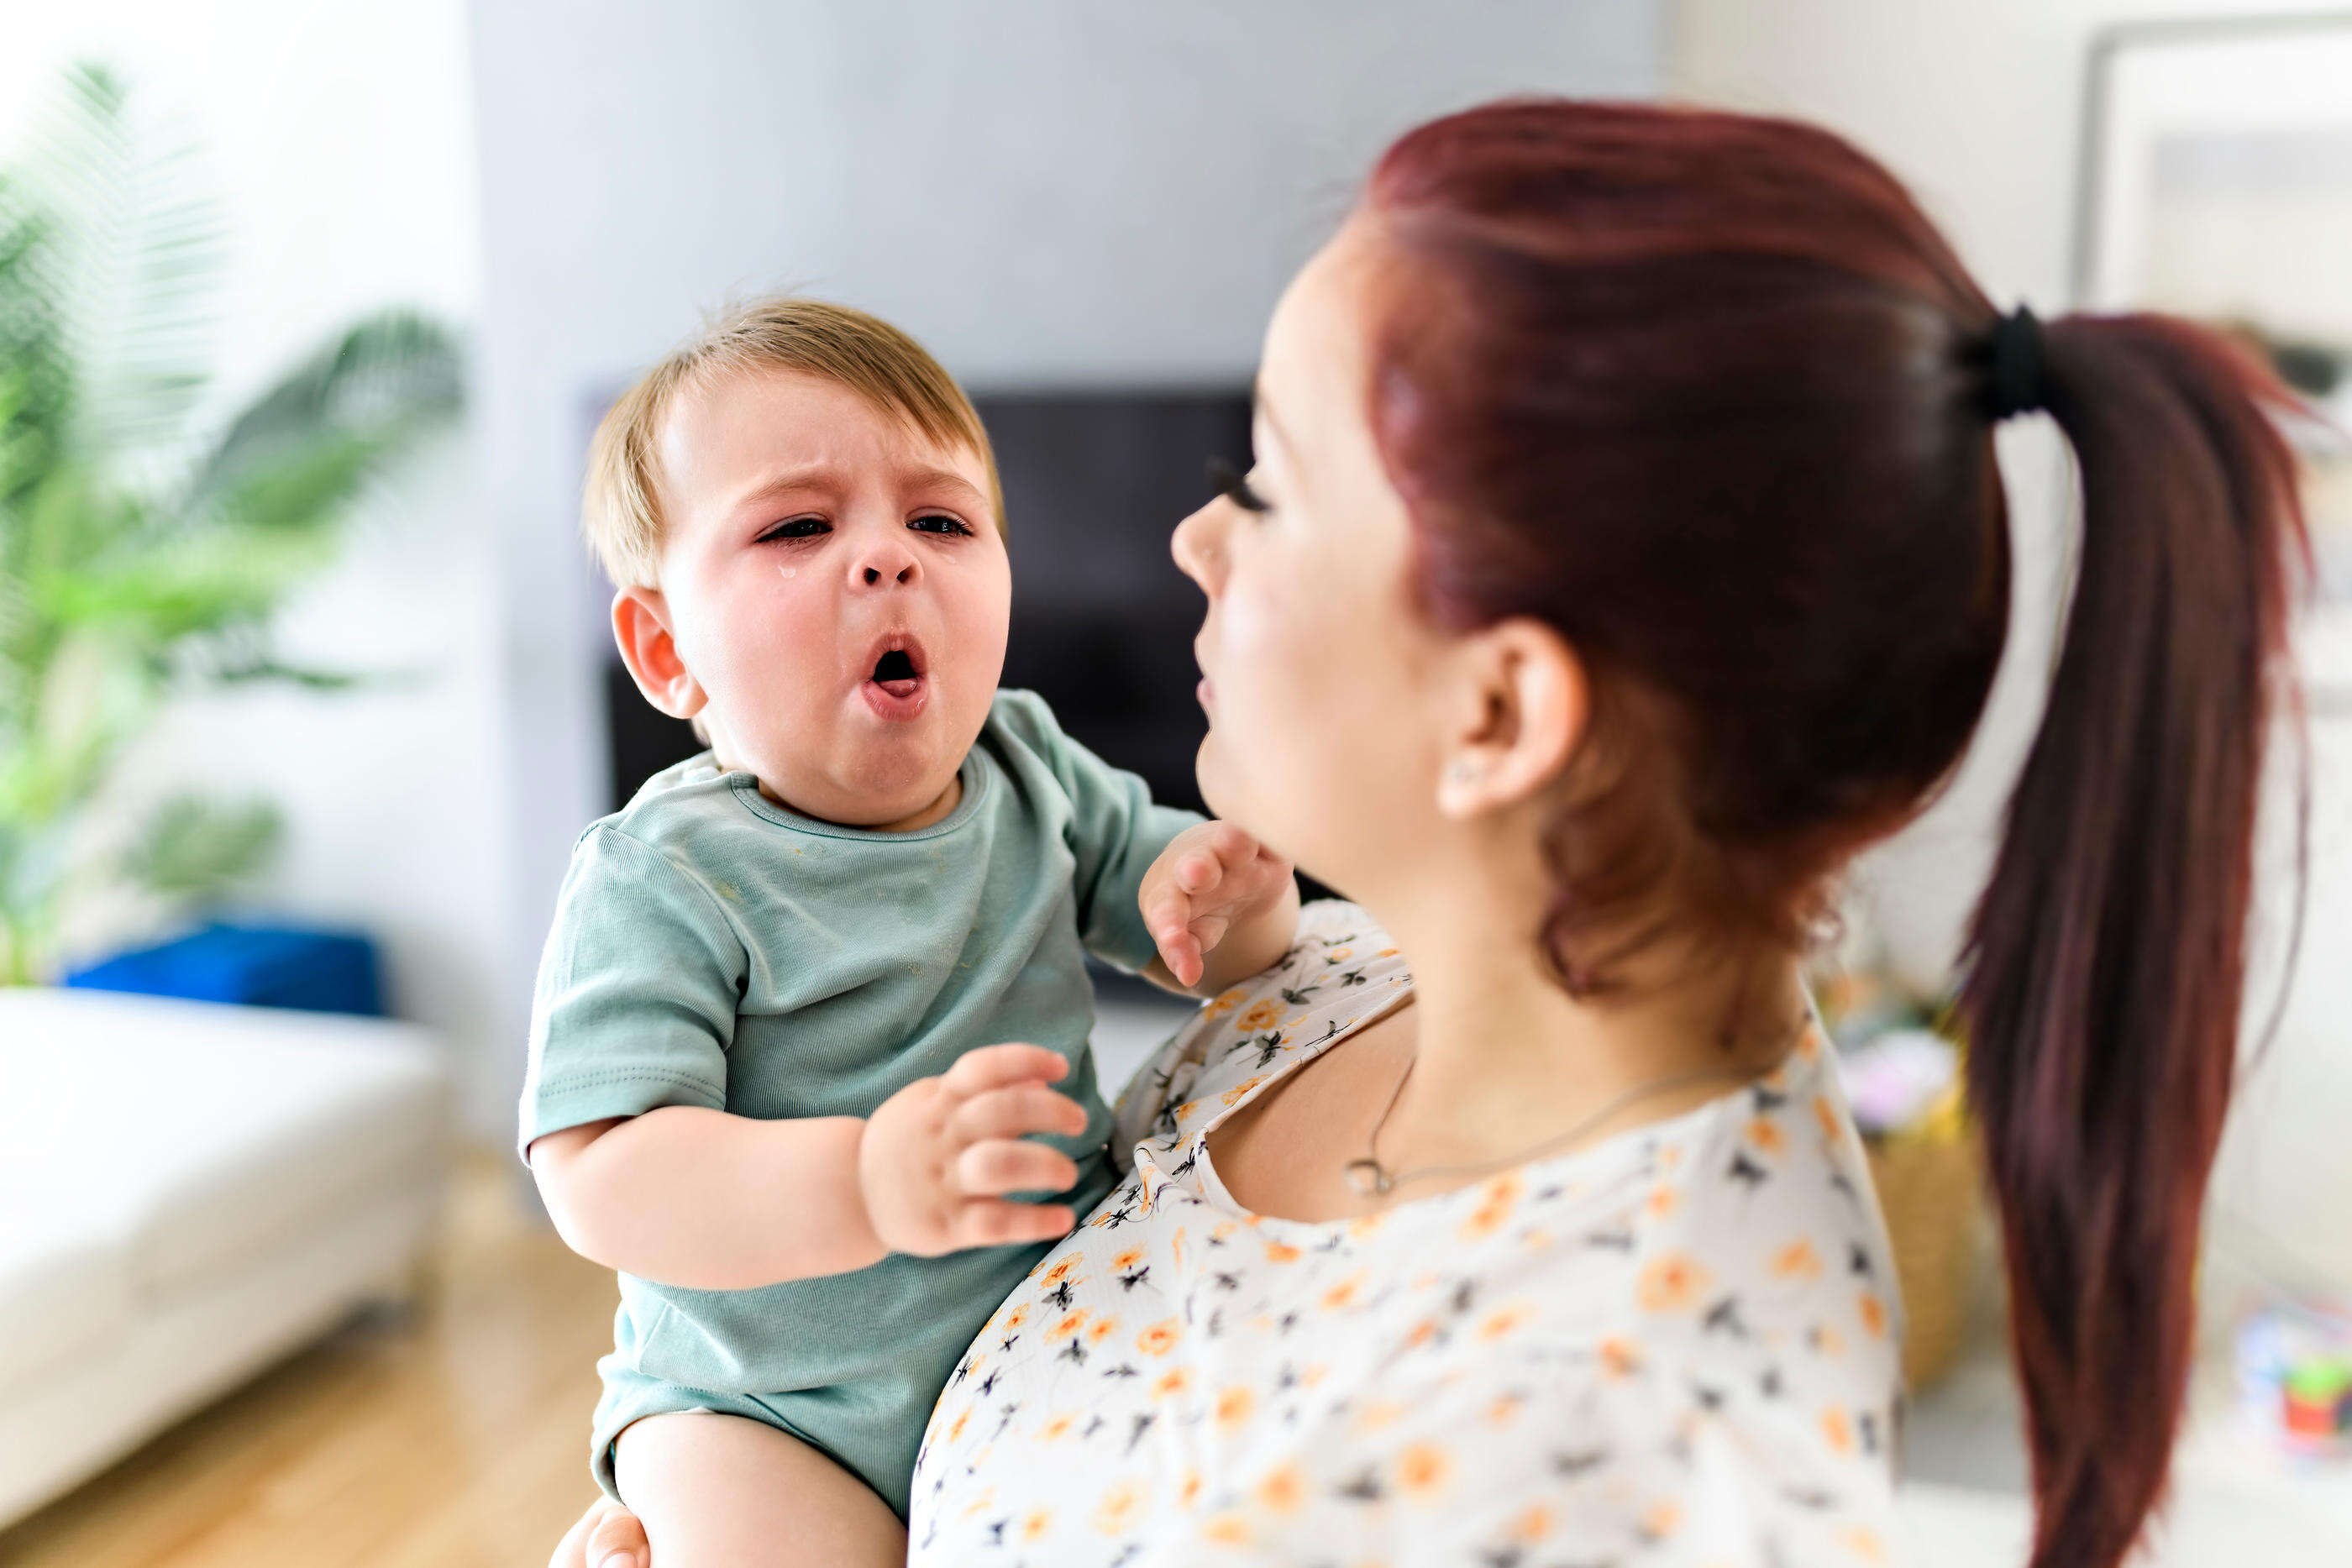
{"points": [[641, 627]]}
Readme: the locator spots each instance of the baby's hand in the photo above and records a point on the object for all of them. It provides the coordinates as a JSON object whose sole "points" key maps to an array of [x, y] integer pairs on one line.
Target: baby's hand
{"points": [[937, 1157], [1207, 880]]}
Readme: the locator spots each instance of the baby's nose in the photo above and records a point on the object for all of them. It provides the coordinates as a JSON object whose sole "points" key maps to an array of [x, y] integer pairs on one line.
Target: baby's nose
{"points": [[888, 564]]}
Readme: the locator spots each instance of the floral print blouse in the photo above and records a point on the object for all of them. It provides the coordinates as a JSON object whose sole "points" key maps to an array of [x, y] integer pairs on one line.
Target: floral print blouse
{"points": [[1676, 1346]]}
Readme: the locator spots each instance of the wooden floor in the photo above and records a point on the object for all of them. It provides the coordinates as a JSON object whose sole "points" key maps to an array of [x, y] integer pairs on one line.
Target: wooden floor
{"points": [[453, 1435]]}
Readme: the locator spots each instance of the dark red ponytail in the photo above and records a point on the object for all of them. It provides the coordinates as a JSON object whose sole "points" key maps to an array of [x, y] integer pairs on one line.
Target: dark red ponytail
{"points": [[1708, 395], [2108, 953]]}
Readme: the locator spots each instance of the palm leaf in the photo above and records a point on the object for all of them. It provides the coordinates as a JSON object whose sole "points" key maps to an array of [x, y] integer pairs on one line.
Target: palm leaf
{"points": [[303, 449], [193, 848], [130, 261]]}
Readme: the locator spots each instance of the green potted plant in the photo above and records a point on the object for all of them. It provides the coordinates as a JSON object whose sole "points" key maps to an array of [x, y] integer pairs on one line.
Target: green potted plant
{"points": [[144, 546]]}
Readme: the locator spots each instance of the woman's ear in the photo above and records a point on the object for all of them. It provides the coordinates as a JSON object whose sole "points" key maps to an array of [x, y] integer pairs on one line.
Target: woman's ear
{"points": [[1520, 713], [641, 627]]}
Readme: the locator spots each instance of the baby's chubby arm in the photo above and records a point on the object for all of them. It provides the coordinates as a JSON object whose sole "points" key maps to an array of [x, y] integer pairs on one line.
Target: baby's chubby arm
{"points": [[706, 1200], [1219, 906]]}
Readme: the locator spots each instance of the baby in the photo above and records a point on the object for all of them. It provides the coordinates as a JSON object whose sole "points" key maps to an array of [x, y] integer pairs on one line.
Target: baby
{"points": [[770, 1082]]}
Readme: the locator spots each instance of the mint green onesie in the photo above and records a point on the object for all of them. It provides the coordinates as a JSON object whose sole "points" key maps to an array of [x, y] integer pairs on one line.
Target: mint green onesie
{"points": [[712, 947]]}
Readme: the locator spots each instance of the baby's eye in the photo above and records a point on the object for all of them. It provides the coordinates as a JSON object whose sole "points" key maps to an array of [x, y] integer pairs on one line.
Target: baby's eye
{"points": [[940, 523], [795, 528]]}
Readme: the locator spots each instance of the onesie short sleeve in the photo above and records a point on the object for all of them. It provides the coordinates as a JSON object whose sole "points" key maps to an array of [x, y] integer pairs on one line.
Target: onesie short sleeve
{"points": [[1115, 831], [634, 1007]]}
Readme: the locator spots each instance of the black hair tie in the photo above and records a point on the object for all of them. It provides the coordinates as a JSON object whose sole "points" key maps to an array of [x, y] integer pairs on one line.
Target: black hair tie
{"points": [[2018, 384]]}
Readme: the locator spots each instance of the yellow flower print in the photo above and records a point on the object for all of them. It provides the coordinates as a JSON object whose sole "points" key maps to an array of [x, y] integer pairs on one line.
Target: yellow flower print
{"points": [[1423, 1472], [1264, 1015], [1176, 1380], [1828, 1340], [1227, 1529], [1864, 1543], [1809, 1044], [1826, 1114], [1121, 1508], [1339, 954], [1874, 1315], [1765, 1134], [1240, 1091], [1670, 1282], [1313, 1375], [962, 1420], [1620, 1357], [1159, 1338], [1282, 1490], [1423, 1332], [1061, 1271], [1070, 1323], [1234, 1407], [1281, 1252], [1056, 1430], [982, 1503], [1127, 1259], [1189, 1492], [1038, 1523], [1342, 1296], [1176, 1247], [1504, 1408], [1495, 1201], [1797, 1260], [1223, 1231], [1227, 1002], [1386, 953], [1537, 1240], [1663, 1520], [1531, 1526], [1505, 1322], [1100, 1330], [1377, 1414], [1017, 1317], [1662, 1202], [1837, 1429], [1670, 1157], [1363, 1225]]}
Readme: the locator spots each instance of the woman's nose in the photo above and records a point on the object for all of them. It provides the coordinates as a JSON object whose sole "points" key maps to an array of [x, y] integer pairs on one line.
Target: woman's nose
{"points": [[1196, 546]]}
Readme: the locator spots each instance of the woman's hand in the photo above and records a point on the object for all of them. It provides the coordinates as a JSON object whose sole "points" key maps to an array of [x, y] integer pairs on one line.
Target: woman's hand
{"points": [[1215, 890], [607, 1536], [937, 1157]]}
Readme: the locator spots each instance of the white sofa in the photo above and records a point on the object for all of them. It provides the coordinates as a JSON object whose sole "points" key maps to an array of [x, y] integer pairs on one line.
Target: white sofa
{"points": [[188, 1192]]}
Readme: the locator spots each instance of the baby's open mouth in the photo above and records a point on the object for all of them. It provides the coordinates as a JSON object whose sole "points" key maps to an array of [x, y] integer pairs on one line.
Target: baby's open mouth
{"points": [[898, 671]]}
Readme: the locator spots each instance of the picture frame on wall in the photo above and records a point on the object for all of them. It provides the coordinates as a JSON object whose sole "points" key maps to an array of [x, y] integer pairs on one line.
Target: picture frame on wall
{"points": [[2216, 183]]}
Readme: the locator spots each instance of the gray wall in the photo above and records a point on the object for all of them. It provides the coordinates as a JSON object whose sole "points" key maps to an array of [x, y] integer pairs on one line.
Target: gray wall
{"points": [[1044, 191]]}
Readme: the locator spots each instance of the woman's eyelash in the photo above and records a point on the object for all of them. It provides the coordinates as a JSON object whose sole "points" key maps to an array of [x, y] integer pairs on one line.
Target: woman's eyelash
{"points": [[1234, 486]]}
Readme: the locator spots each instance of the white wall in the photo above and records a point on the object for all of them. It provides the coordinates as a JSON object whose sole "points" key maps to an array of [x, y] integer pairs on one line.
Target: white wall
{"points": [[1054, 190], [341, 138]]}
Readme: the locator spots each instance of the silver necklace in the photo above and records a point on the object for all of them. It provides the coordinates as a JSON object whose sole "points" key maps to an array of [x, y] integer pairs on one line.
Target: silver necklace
{"points": [[1371, 1178]]}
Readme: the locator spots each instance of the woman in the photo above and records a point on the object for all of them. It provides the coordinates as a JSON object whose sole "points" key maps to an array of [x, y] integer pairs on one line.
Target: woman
{"points": [[1625, 551]]}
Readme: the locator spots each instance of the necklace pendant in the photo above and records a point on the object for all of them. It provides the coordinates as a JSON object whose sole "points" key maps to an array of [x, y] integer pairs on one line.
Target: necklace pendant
{"points": [[1368, 1177]]}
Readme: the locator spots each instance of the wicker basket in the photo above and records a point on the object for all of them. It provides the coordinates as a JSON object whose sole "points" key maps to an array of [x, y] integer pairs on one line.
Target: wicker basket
{"points": [[1931, 1186]]}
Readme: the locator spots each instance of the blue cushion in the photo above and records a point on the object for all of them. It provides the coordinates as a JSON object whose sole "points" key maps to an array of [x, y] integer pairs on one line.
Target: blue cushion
{"points": [[322, 971]]}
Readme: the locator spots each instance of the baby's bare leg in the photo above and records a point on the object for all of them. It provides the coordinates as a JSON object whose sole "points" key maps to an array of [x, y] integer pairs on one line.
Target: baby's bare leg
{"points": [[719, 1491]]}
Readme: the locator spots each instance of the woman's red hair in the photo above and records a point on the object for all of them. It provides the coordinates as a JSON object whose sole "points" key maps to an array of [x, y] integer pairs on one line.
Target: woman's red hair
{"points": [[1707, 395]]}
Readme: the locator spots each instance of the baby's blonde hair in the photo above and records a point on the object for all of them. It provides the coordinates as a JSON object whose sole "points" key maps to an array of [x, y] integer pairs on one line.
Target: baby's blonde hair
{"points": [[619, 512]]}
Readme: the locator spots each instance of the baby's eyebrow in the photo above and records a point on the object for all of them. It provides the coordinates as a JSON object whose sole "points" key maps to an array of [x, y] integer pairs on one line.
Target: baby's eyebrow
{"points": [[813, 477]]}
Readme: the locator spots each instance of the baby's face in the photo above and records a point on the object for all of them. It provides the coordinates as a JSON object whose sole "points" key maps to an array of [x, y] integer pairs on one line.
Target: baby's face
{"points": [[838, 589]]}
